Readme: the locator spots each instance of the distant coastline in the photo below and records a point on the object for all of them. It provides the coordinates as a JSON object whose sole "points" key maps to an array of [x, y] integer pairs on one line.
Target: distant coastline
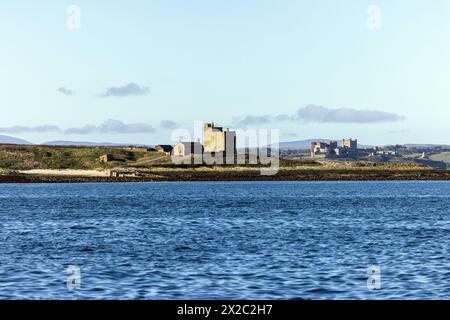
{"points": [[75, 164], [233, 175]]}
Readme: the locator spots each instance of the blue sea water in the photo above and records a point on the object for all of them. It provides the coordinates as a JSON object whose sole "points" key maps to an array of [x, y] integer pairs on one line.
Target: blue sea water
{"points": [[226, 240]]}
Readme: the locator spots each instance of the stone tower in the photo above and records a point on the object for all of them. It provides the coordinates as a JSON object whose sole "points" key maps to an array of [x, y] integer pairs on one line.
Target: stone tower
{"points": [[215, 139]]}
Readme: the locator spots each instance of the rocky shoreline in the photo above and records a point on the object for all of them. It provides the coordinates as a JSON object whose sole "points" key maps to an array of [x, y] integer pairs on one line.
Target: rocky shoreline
{"points": [[250, 175]]}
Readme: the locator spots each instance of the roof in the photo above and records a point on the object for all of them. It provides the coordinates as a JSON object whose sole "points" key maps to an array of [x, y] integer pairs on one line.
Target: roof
{"points": [[165, 147], [213, 127]]}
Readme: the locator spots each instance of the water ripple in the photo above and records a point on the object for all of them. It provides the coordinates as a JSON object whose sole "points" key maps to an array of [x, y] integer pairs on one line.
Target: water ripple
{"points": [[234, 240]]}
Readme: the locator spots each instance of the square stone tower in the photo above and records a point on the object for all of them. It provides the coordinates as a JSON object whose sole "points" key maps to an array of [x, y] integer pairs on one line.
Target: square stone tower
{"points": [[215, 139], [350, 144]]}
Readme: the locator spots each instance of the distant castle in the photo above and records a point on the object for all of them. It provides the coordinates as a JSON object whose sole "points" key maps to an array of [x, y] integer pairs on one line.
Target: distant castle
{"points": [[348, 149]]}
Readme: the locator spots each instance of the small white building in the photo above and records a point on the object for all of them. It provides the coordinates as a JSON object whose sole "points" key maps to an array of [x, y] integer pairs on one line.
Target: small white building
{"points": [[183, 149]]}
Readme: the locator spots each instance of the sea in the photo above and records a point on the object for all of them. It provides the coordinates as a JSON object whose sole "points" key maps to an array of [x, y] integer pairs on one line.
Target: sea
{"points": [[226, 240]]}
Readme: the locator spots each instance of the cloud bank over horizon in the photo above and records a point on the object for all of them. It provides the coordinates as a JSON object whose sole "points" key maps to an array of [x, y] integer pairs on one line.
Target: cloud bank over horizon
{"points": [[107, 127], [308, 114], [320, 114], [315, 113], [168, 124], [25, 129]]}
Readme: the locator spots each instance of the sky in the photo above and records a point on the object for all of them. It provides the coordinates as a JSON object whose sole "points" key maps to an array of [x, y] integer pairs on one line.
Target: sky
{"points": [[133, 71]]}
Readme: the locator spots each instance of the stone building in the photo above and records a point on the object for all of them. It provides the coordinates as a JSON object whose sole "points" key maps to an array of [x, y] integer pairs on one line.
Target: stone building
{"points": [[106, 157], [183, 149], [323, 149], [216, 139], [348, 149]]}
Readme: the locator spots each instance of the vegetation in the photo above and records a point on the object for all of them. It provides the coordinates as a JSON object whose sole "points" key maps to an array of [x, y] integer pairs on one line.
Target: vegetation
{"points": [[23, 157], [139, 164], [443, 156]]}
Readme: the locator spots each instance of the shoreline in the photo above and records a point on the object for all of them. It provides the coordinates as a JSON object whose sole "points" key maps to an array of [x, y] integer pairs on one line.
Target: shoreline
{"points": [[246, 175]]}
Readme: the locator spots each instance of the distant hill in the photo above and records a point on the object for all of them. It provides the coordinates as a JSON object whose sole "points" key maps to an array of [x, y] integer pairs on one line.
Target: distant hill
{"points": [[424, 146], [89, 144], [300, 144], [12, 140]]}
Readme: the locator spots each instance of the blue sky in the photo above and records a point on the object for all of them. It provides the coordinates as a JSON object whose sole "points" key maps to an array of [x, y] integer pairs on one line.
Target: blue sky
{"points": [[257, 63]]}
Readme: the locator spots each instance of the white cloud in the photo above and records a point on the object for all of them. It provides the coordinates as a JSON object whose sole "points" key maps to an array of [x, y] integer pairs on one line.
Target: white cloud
{"points": [[65, 91], [130, 89]]}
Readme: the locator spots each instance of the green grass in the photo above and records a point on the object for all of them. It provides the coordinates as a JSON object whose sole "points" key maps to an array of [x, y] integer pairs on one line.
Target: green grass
{"points": [[412, 155], [443, 156], [25, 157], [288, 163], [56, 157]]}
